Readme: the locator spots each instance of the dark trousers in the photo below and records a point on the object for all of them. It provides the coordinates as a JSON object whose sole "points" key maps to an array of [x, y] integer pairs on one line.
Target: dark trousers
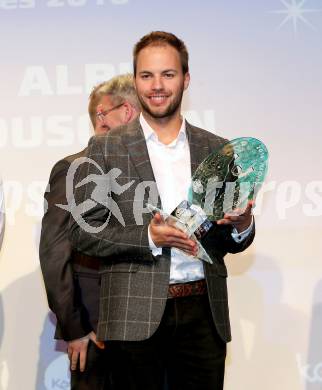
{"points": [[97, 371], [186, 350]]}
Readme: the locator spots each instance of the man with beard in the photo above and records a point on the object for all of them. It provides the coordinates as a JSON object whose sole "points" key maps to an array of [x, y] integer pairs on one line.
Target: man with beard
{"points": [[72, 280], [162, 311]]}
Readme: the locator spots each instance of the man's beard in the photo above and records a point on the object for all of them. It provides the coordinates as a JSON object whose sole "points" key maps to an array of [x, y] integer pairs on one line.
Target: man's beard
{"points": [[169, 111]]}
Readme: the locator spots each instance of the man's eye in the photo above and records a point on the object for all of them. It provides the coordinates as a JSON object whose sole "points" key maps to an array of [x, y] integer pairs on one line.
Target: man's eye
{"points": [[169, 75], [145, 76]]}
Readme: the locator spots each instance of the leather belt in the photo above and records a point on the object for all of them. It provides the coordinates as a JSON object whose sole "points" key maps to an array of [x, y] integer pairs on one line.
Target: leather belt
{"points": [[177, 290], [86, 261]]}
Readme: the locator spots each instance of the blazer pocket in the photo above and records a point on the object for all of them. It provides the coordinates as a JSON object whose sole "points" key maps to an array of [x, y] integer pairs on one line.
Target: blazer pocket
{"points": [[120, 267]]}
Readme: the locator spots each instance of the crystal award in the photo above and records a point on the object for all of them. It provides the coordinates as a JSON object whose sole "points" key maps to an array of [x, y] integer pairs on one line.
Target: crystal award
{"points": [[222, 183], [229, 177]]}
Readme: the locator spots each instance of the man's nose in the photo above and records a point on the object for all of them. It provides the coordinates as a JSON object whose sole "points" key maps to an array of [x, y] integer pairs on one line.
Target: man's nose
{"points": [[157, 83]]}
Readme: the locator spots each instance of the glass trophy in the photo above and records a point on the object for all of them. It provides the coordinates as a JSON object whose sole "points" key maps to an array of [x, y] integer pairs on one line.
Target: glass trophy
{"points": [[229, 177], [191, 220], [222, 183]]}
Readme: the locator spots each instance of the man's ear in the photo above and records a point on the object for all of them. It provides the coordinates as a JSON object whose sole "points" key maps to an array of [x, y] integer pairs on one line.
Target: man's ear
{"points": [[129, 112]]}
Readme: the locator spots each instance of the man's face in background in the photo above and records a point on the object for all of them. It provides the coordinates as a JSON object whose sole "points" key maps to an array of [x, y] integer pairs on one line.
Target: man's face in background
{"points": [[110, 115]]}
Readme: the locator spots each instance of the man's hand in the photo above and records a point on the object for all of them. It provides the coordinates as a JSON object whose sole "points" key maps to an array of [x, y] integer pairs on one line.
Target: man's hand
{"points": [[77, 349], [240, 219], [164, 235]]}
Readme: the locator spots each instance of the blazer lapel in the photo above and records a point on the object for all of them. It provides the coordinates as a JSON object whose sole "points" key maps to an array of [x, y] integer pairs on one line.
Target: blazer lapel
{"points": [[199, 146], [134, 140]]}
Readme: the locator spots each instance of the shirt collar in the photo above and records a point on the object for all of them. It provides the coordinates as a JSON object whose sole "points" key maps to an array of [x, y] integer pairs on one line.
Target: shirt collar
{"points": [[149, 133]]}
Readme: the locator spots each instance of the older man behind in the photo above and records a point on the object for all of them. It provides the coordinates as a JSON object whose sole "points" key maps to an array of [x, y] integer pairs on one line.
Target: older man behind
{"points": [[71, 279]]}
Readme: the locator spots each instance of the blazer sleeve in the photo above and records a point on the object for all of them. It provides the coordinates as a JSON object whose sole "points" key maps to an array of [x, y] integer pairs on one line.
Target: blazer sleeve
{"points": [[219, 240], [115, 241], [55, 259]]}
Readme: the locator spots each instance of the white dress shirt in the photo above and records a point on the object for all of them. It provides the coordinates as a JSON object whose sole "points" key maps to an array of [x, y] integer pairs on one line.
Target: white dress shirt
{"points": [[172, 171]]}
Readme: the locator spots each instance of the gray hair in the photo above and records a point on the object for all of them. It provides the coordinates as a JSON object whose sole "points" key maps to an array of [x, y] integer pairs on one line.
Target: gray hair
{"points": [[119, 88]]}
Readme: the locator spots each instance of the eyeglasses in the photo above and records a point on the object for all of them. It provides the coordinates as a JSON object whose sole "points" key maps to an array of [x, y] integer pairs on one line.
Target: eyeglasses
{"points": [[103, 114]]}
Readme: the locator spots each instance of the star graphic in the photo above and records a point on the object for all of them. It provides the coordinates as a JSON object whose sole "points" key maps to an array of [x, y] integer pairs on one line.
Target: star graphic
{"points": [[294, 11]]}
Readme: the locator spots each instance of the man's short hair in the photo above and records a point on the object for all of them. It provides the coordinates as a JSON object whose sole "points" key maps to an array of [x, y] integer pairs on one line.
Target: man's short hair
{"points": [[119, 89], [162, 38]]}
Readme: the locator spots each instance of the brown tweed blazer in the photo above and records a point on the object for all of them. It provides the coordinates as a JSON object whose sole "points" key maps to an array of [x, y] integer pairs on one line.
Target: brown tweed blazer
{"points": [[135, 283]]}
